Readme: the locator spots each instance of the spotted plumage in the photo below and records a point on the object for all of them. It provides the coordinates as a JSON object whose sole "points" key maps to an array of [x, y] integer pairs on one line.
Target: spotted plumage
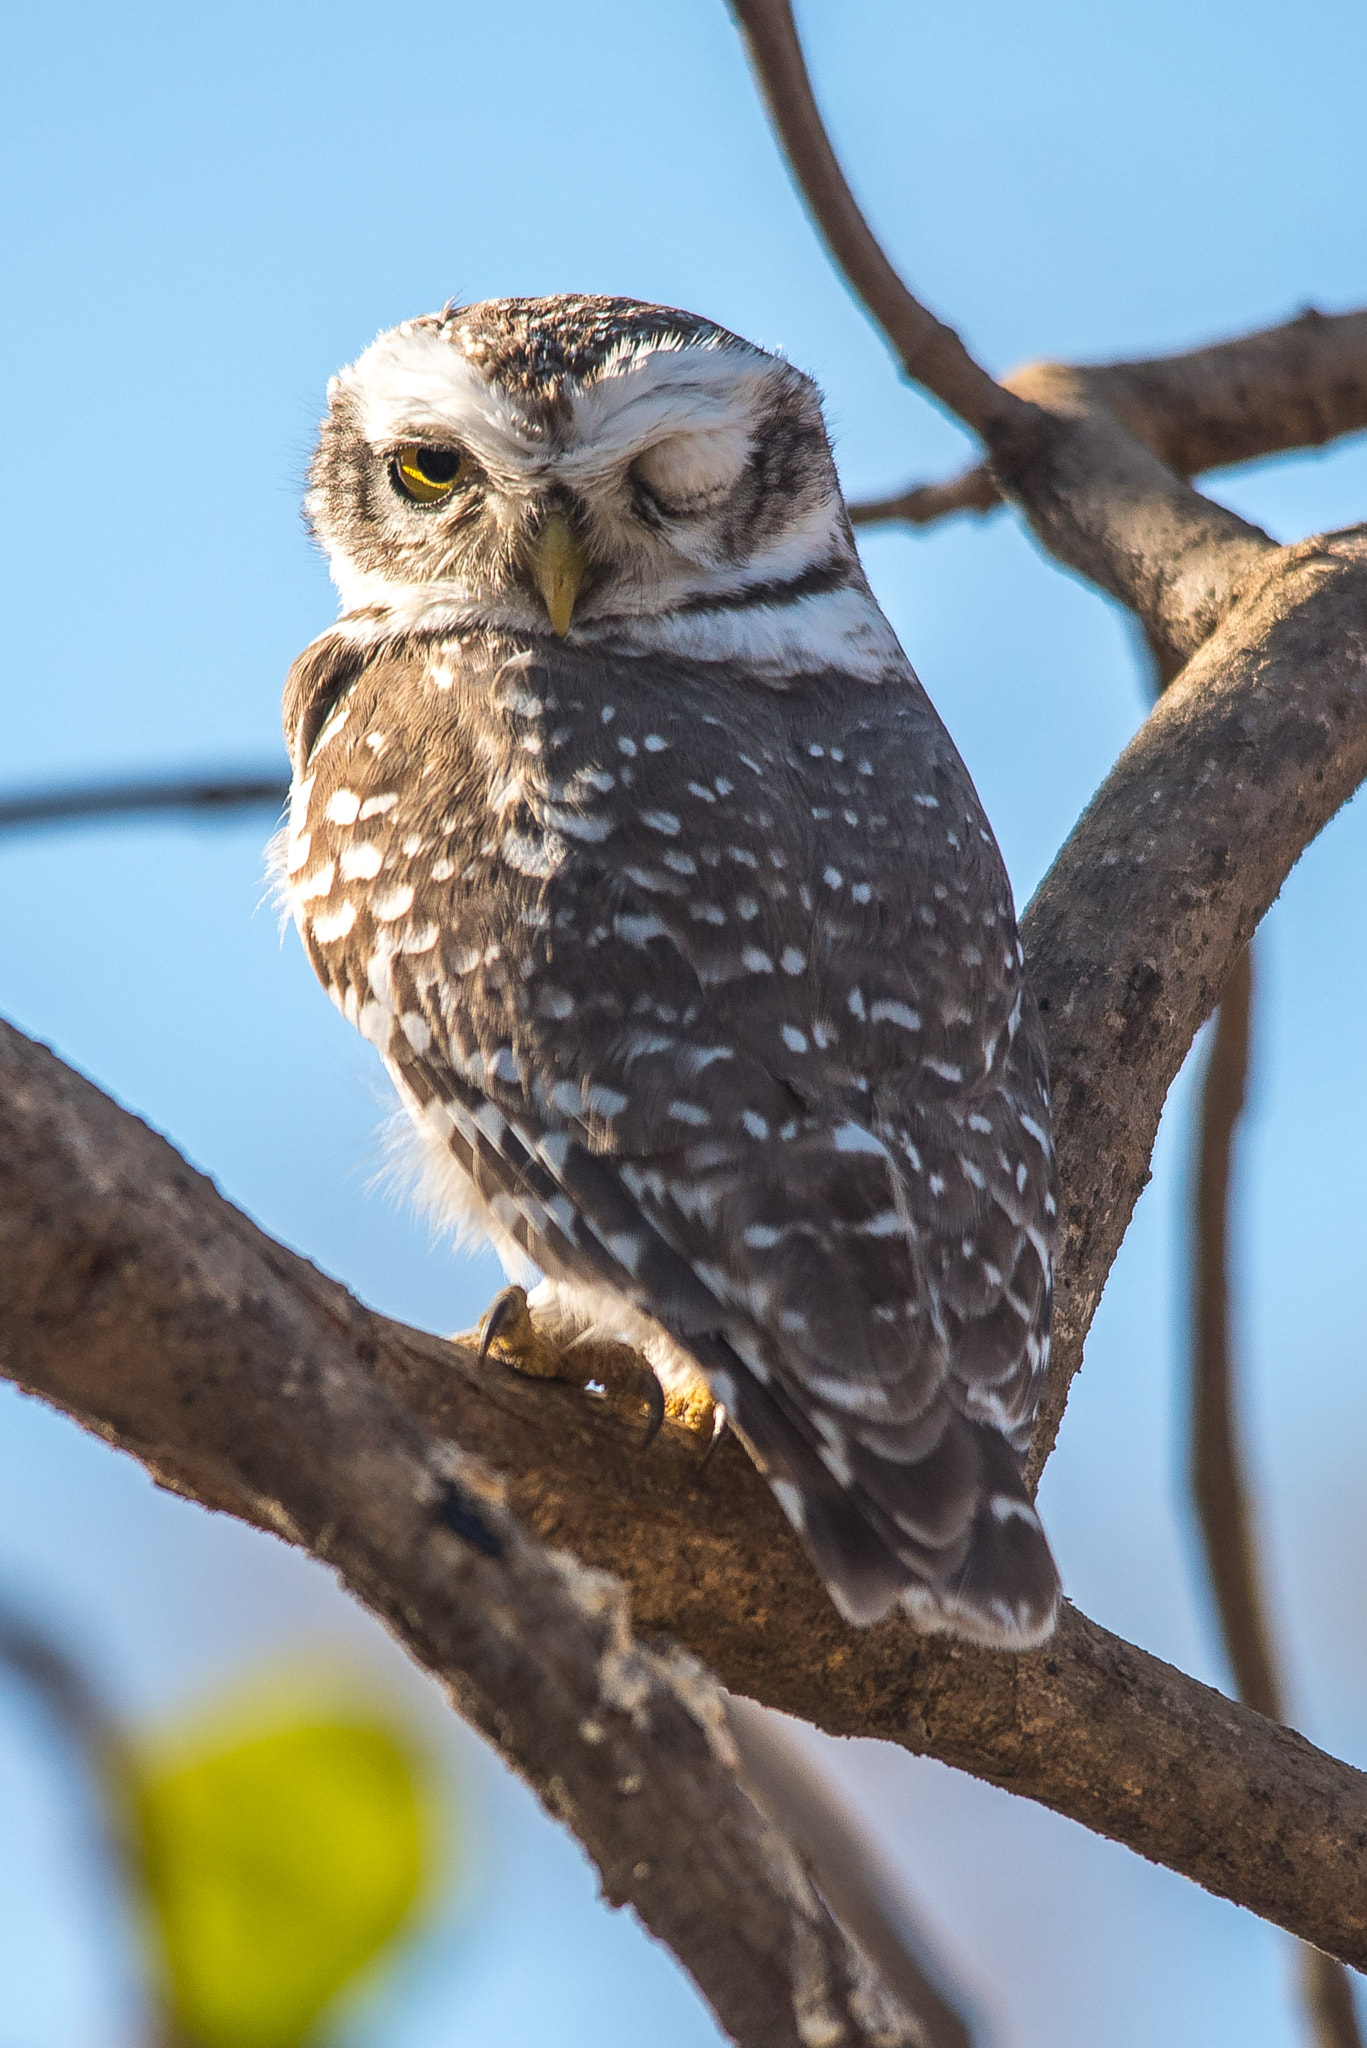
{"points": [[623, 829]]}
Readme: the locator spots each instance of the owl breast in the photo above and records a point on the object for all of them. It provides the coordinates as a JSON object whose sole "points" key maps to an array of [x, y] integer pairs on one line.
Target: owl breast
{"points": [[512, 847]]}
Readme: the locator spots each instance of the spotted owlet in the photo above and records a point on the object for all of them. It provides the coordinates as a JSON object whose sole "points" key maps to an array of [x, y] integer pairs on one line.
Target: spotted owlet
{"points": [[624, 830]]}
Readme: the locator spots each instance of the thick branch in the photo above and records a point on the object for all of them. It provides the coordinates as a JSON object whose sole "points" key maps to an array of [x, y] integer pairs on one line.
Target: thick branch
{"points": [[1294, 386], [1133, 932], [136, 1298], [133, 1297], [1159, 889]]}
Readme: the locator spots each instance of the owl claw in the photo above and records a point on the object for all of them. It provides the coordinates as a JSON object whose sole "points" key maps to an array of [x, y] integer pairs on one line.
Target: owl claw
{"points": [[653, 1394], [718, 1432], [509, 1333], [504, 1310]]}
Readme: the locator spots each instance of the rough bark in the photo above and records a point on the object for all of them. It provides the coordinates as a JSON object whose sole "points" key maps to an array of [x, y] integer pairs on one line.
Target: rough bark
{"points": [[1297, 385], [1134, 930], [136, 1299]]}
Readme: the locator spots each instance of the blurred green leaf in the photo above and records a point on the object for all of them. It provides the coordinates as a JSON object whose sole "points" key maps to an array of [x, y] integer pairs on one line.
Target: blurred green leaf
{"points": [[277, 1865]]}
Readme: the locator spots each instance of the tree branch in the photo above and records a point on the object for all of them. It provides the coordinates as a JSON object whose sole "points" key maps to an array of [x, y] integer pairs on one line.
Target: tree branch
{"points": [[927, 350], [134, 1298], [1133, 932], [1217, 1480], [1125, 972], [868, 1902], [1095, 496], [123, 799], [1298, 385], [973, 490]]}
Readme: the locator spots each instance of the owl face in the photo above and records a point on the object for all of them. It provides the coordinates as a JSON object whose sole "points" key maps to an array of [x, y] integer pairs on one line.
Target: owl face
{"points": [[560, 464]]}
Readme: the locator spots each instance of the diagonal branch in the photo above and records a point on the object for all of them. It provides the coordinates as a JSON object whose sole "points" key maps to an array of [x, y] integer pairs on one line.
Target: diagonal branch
{"points": [[1132, 934], [866, 1899], [1125, 976], [132, 1292], [138, 1301]]}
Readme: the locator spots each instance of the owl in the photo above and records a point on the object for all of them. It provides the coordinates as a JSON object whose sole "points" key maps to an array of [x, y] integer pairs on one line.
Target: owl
{"points": [[623, 829]]}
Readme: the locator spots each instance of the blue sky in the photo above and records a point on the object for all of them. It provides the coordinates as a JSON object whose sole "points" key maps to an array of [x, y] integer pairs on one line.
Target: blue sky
{"points": [[209, 209]]}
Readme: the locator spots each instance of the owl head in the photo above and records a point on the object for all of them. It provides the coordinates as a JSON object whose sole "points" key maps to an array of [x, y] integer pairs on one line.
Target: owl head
{"points": [[559, 464]]}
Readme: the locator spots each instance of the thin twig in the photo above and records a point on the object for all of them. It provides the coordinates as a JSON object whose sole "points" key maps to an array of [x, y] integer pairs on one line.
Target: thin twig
{"points": [[1217, 1480], [97, 800], [975, 490], [1101, 500]]}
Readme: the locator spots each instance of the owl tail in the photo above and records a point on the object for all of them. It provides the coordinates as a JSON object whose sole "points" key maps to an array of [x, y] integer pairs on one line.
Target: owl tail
{"points": [[872, 1536]]}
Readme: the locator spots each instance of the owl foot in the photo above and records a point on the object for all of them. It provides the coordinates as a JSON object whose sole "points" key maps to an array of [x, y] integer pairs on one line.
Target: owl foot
{"points": [[511, 1334]]}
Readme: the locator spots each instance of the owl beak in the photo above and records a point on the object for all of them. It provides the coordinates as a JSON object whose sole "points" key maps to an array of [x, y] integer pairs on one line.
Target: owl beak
{"points": [[558, 566]]}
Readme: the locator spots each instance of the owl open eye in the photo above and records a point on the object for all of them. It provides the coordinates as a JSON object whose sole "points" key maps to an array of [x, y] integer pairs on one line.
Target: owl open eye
{"points": [[688, 473], [429, 475]]}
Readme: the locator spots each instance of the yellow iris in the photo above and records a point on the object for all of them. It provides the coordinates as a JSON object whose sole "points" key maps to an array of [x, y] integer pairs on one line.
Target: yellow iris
{"points": [[429, 475]]}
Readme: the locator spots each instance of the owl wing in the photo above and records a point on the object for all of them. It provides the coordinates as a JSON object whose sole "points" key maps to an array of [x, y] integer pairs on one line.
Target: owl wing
{"points": [[752, 1050]]}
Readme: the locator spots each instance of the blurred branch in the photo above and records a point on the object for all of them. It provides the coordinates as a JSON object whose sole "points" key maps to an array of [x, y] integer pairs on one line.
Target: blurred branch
{"points": [[31, 1655], [1298, 385], [870, 1904], [124, 799], [1217, 1480]]}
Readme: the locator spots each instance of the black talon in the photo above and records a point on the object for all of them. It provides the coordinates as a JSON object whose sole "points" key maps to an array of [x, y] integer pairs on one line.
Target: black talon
{"points": [[655, 1410], [718, 1432], [500, 1309]]}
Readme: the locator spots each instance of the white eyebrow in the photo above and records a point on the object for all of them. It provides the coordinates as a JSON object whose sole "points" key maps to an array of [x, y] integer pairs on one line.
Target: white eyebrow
{"points": [[415, 383]]}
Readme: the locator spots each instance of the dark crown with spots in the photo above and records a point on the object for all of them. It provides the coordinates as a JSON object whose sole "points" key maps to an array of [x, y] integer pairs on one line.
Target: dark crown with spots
{"points": [[526, 344]]}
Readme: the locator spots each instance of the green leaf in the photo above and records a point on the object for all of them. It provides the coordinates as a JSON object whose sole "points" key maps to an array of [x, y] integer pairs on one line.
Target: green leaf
{"points": [[276, 1866]]}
